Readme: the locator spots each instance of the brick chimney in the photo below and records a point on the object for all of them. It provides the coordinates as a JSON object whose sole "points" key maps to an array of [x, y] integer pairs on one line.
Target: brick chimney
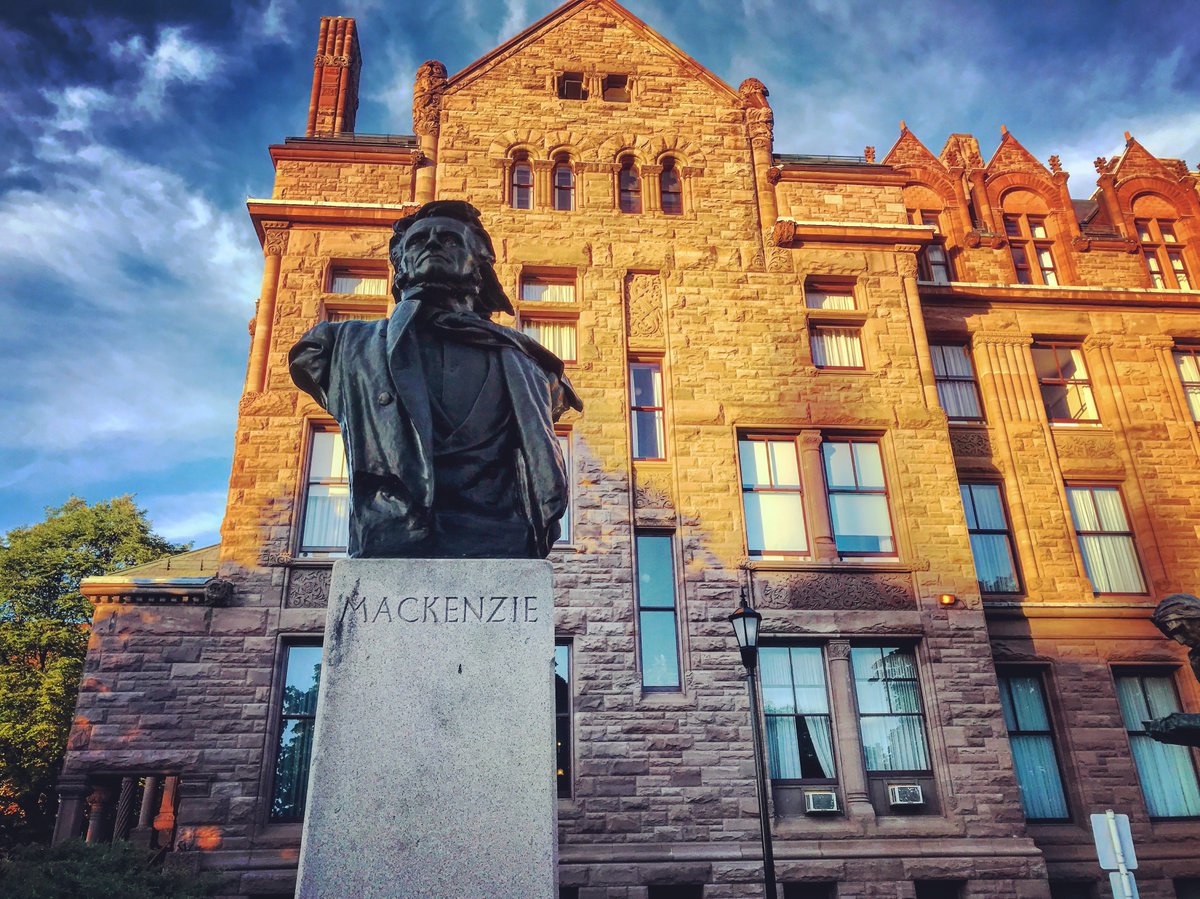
{"points": [[335, 78]]}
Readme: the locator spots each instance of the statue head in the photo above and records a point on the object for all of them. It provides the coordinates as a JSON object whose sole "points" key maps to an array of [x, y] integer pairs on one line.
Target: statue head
{"points": [[1178, 616], [449, 251]]}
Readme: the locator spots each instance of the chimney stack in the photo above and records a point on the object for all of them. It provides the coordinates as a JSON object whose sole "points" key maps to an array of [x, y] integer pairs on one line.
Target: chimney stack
{"points": [[335, 78]]}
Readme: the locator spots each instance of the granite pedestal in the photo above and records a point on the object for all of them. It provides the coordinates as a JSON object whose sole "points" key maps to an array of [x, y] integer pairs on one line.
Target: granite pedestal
{"points": [[433, 758]]}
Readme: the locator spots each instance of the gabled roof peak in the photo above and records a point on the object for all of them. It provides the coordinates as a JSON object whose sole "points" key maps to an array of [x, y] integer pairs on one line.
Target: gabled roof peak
{"points": [[908, 150], [1011, 156]]}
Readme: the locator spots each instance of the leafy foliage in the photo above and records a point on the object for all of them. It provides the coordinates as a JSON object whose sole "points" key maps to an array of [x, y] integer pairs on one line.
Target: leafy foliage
{"points": [[74, 869], [44, 622]]}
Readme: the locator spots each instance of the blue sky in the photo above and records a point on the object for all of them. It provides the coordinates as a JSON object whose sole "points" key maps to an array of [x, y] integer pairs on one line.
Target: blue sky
{"points": [[132, 134]]}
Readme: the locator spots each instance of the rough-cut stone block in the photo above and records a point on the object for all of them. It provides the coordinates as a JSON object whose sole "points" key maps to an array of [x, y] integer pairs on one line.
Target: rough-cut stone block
{"points": [[433, 761]]}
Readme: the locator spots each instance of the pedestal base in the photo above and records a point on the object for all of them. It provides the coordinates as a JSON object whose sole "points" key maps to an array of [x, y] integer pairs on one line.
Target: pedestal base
{"points": [[433, 758]]}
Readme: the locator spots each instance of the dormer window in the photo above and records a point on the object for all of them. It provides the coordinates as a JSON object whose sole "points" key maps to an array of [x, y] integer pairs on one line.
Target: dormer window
{"points": [[670, 187], [629, 186], [522, 182], [616, 88], [570, 86]]}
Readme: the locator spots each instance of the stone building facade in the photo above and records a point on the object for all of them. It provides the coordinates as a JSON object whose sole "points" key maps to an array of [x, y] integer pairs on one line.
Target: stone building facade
{"points": [[934, 416]]}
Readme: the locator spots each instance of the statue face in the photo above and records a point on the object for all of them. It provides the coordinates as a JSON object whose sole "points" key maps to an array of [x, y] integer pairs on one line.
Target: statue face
{"points": [[440, 249]]}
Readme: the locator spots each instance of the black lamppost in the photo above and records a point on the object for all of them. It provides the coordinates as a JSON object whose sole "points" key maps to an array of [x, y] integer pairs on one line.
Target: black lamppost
{"points": [[745, 623]]}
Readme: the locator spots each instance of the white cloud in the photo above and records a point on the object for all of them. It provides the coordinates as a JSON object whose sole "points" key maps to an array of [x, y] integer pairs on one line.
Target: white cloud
{"points": [[184, 517], [174, 59]]}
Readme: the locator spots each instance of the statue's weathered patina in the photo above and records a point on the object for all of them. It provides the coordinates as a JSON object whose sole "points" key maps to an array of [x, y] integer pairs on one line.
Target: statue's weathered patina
{"points": [[1178, 616], [448, 418]]}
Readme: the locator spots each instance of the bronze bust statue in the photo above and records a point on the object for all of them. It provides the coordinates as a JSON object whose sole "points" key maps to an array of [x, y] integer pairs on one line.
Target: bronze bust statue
{"points": [[447, 417], [1178, 617]]}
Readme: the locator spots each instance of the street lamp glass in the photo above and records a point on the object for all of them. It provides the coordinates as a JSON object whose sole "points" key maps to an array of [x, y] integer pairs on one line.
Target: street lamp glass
{"points": [[745, 623]]}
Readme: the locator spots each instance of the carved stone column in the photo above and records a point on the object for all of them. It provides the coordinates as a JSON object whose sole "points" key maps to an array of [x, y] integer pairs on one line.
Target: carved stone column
{"points": [[275, 239], [143, 833], [72, 792], [906, 264], [124, 815], [543, 191], [651, 201], [812, 473], [760, 125], [851, 767], [99, 803], [164, 821], [427, 110]]}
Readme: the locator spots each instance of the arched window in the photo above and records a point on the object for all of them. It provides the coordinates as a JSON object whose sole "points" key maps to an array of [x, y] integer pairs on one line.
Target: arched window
{"points": [[522, 182], [1030, 238], [670, 188], [1161, 247], [629, 186], [564, 183]]}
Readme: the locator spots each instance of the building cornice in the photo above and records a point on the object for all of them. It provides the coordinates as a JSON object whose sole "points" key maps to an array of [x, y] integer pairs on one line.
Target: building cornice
{"points": [[1059, 297], [319, 212], [791, 232]]}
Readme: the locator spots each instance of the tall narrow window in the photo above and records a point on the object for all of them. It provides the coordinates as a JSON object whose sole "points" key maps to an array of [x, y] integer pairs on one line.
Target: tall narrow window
{"points": [[796, 705], [564, 523], [1032, 741], [297, 719], [563, 177], [326, 527], [1166, 772], [629, 186], [522, 182], [1163, 254], [991, 540], [933, 264], [771, 497], [1187, 360], [670, 188], [858, 504], [658, 639], [1063, 377], [889, 708], [1030, 241], [955, 379], [562, 717], [646, 410], [1105, 538]]}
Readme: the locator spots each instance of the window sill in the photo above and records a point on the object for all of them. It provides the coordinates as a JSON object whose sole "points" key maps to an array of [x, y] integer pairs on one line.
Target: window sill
{"points": [[842, 565], [1071, 425], [831, 370]]}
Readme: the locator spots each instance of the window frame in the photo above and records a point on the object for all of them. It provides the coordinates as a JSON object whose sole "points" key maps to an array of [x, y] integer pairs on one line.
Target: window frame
{"points": [[629, 186], [562, 163], [1021, 230], [1007, 533], [941, 346], [564, 721], [1064, 382], [1192, 351], [1168, 673], [306, 483], [625, 86], [878, 443], [671, 537], [828, 715], [798, 491], [1129, 534], [660, 410], [837, 318], [673, 190], [926, 266], [279, 725], [1004, 674], [521, 162], [565, 80], [923, 714], [566, 444], [1162, 252]]}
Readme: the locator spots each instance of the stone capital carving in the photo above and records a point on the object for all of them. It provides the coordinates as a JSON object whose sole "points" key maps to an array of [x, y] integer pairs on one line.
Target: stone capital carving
{"points": [[543, 165], [327, 59], [1159, 342], [1098, 342], [906, 264], [809, 440], [838, 650], [275, 238], [774, 173], [427, 97], [783, 233], [1001, 338]]}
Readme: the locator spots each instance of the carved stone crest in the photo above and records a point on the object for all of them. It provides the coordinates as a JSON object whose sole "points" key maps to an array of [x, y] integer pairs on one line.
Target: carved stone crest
{"points": [[308, 588], [838, 591], [971, 443], [644, 306]]}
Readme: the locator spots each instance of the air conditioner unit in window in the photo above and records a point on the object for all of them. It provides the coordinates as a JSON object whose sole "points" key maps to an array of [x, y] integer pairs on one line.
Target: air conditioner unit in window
{"points": [[905, 794], [820, 802]]}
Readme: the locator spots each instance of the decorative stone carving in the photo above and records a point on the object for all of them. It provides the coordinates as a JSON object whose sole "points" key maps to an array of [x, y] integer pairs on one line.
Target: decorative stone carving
{"points": [[649, 495], [971, 443], [838, 650], [869, 154], [906, 265], [644, 306], [308, 588], [1091, 446], [327, 59], [759, 117], [838, 591], [1055, 165], [427, 97], [1001, 338], [1103, 166], [783, 233], [774, 173], [275, 238], [218, 591]]}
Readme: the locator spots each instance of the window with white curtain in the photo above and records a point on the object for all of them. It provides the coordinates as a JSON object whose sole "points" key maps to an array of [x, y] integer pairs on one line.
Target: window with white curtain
{"points": [[991, 540], [889, 708], [955, 379], [548, 288], [1167, 772], [326, 528], [796, 705], [1031, 737], [771, 497], [1187, 360], [837, 346], [1105, 539], [556, 335], [826, 298], [358, 282]]}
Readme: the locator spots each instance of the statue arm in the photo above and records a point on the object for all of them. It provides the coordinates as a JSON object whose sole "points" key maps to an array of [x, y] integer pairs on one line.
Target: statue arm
{"points": [[563, 397], [309, 362]]}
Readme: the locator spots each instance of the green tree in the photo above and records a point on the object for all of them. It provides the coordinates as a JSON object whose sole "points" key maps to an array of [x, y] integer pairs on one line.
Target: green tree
{"points": [[44, 624]]}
